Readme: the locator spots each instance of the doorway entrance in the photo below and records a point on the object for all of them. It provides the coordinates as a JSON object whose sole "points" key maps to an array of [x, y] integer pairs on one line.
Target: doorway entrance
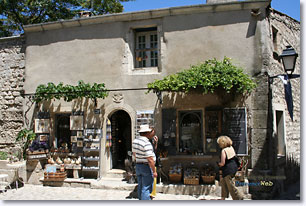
{"points": [[121, 138], [63, 133]]}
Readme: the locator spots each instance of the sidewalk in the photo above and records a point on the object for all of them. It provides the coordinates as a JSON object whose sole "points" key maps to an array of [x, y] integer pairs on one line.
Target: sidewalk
{"points": [[195, 192]]}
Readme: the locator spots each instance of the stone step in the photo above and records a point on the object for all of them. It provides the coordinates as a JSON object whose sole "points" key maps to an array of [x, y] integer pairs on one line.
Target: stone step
{"points": [[115, 173]]}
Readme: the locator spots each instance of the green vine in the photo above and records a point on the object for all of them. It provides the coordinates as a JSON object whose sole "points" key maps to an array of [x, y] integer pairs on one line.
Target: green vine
{"points": [[69, 92], [207, 77], [26, 136]]}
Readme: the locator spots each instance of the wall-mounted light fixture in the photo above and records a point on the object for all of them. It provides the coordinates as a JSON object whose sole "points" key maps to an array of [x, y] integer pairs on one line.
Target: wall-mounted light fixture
{"points": [[288, 58]]}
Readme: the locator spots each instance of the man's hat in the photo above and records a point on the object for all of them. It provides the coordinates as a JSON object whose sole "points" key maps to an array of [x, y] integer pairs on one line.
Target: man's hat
{"points": [[144, 128]]}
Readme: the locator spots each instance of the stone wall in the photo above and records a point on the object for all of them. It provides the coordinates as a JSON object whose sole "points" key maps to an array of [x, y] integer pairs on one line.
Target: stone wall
{"points": [[287, 32], [12, 70], [278, 31]]}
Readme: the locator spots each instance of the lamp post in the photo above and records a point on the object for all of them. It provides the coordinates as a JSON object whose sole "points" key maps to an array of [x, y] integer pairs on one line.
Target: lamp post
{"points": [[288, 58]]}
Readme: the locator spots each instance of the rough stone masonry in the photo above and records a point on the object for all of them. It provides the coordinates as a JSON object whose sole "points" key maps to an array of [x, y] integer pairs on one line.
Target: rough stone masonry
{"points": [[12, 71]]}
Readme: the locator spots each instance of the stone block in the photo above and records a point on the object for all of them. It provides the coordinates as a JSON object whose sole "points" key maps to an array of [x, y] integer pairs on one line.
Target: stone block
{"points": [[260, 118]]}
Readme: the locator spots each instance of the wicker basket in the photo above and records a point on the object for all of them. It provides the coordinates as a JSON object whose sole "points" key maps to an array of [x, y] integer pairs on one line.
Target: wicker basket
{"points": [[55, 177], [191, 181], [209, 179], [175, 178]]}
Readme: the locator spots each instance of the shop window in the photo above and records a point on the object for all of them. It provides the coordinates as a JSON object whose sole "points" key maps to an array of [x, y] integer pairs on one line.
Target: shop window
{"points": [[281, 145], [190, 132], [146, 47], [212, 130]]}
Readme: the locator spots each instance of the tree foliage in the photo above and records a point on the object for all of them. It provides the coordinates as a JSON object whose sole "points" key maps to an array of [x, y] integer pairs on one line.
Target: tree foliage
{"points": [[207, 77], [14, 14]]}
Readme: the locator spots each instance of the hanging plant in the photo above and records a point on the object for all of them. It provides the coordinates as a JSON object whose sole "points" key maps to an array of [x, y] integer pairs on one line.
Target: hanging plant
{"points": [[207, 77], [69, 92]]}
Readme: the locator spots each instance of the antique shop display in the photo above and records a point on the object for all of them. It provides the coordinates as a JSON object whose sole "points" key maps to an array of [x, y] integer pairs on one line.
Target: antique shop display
{"points": [[176, 173], [191, 176], [208, 174], [40, 146], [76, 122], [42, 125], [212, 129], [144, 117], [190, 132], [108, 134], [91, 151], [53, 174]]}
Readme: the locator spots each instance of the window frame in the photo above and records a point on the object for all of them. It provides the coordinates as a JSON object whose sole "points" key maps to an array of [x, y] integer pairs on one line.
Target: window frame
{"points": [[280, 127], [146, 32], [179, 128]]}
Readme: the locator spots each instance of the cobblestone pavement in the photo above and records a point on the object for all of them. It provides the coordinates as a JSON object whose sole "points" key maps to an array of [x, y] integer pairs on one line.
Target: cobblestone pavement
{"points": [[39, 192]]}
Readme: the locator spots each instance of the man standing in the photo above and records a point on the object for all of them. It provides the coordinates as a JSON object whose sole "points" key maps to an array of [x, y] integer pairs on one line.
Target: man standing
{"points": [[145, 162]]}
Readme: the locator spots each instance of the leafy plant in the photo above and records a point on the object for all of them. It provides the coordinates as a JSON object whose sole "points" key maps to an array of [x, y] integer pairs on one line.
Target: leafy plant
{"points": [[14, 14], [207, 77], [3, 155], [26, 137], [69, 92]]}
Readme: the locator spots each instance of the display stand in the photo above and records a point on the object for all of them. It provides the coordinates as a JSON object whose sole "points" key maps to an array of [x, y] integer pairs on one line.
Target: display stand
{"points": [[91, 152]]}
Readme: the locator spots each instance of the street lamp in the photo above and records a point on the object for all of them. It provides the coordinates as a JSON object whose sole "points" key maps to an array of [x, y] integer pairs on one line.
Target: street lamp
{"points": [[288, 58]]}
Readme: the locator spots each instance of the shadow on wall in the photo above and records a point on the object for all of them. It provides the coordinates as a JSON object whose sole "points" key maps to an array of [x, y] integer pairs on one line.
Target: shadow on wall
{"points": [[93, 120]]}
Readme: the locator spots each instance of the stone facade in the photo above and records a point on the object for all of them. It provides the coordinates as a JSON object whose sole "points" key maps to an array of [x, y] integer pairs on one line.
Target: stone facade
{"points": [[12, 69], [267, 33], [286, 32]]}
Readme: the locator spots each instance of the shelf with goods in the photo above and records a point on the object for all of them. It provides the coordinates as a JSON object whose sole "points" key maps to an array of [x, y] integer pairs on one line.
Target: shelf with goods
{"points": [[40, 146], [91, 151]]}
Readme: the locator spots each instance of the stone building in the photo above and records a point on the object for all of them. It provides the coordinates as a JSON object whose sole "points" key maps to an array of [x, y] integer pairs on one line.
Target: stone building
{"points": [[126, 51]]}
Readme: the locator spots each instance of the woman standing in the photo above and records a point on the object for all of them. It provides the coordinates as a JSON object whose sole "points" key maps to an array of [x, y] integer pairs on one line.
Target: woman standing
{"points": [[229, 168]]}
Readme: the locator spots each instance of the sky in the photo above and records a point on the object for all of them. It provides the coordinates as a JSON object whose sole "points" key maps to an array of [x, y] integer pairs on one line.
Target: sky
{"points": [[289, 7]]}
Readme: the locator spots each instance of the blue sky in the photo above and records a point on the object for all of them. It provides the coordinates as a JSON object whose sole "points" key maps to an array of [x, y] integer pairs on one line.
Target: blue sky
{"points": [[289, 7]]}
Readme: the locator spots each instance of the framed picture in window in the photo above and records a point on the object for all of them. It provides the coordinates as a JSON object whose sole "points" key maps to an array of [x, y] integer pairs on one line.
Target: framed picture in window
{"points": [[43, 138], [79, 133], [42, 125], [79, 143], [76, 122], [74, 138]]}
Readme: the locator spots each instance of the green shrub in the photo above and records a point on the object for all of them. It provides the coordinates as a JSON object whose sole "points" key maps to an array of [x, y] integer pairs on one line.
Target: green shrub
{"points": [[3, 155]]}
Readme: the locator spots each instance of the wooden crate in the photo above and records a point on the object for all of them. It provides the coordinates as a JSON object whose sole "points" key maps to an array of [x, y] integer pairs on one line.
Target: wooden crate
{"points": [[208, 179], [55, 177], [191, 181], [175, 178]]}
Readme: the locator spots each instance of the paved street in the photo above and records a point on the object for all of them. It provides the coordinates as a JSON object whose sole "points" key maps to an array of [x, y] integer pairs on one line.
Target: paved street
{"points": [[39, 192]]}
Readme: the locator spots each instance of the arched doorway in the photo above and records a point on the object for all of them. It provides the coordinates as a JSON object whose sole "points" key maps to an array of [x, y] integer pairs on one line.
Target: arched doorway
{"points": [[121, 138]]}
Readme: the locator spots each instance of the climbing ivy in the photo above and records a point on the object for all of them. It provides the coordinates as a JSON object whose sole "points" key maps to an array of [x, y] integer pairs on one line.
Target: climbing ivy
{"points": [[207, 77], [69, 92]]}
